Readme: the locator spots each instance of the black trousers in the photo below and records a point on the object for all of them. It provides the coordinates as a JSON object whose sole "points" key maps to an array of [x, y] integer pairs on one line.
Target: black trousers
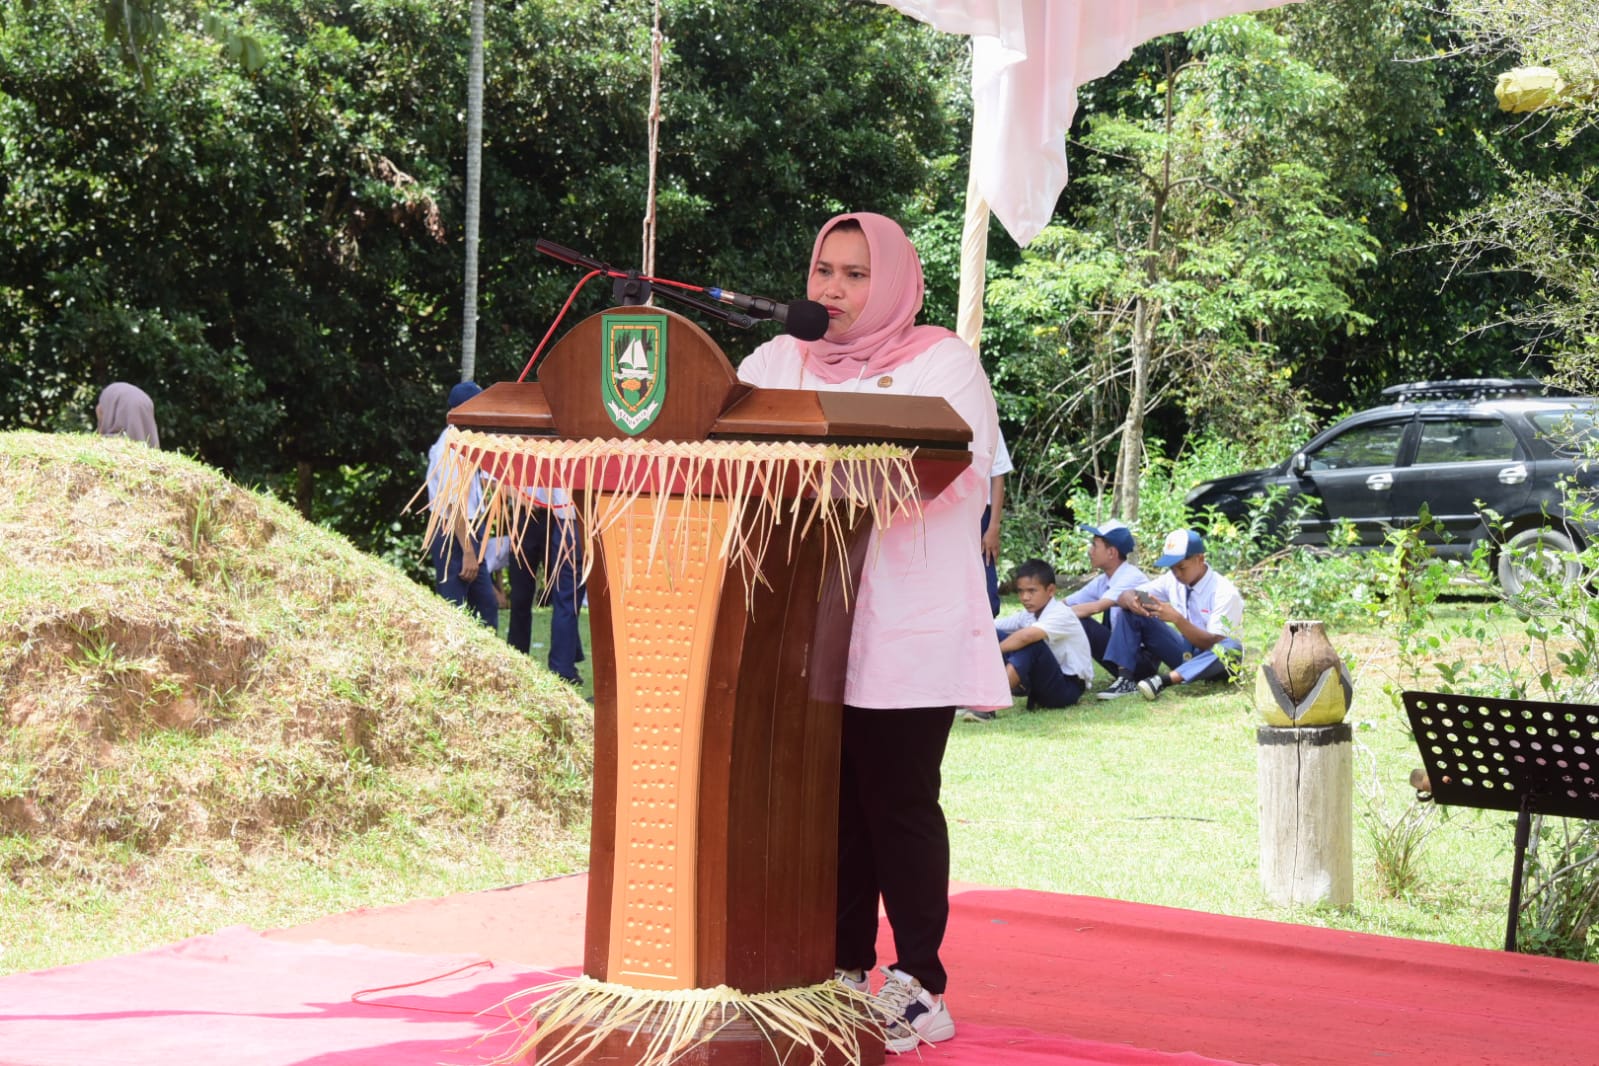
{"points": [[893, 841], [1098, 634]]}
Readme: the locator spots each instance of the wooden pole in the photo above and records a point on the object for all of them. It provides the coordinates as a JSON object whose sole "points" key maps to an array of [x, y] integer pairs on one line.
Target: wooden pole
{"points": [[653, 122], [1306, 811]]}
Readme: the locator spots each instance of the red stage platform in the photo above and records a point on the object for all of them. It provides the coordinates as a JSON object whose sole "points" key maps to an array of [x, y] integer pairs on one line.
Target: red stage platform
{"points": [[1035, 978]]}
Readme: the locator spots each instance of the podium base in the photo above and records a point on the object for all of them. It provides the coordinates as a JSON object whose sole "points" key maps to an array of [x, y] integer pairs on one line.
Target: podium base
{"points": [[736, 1043]]}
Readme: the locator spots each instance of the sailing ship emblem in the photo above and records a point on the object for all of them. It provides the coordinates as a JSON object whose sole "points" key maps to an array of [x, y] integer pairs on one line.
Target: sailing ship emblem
{"points": [[633, 370]]}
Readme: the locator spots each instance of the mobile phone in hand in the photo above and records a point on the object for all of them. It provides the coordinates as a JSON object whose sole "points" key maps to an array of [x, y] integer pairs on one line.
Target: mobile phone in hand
{"points": [[1145, 600]]}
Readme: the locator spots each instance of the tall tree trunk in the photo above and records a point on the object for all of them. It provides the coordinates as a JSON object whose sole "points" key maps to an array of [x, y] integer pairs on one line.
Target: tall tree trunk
{"points": [[1146, 311], [474, 198], [304, 488], [1130, 460]]}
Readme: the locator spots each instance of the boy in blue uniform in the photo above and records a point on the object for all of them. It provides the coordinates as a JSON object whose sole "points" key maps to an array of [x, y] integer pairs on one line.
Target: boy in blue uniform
{"points": [[458, 576], [1110, 546], [1186, 618]]}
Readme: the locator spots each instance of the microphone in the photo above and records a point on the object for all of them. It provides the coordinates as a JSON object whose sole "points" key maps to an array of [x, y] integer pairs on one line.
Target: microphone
{"points": [[804, 320]]}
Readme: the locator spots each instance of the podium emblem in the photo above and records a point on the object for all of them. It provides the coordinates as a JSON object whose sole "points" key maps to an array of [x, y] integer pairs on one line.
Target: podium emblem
{"points": [[633, 370]]}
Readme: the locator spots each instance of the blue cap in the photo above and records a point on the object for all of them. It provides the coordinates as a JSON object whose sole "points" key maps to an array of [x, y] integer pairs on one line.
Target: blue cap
{"points": [[1180, 544], [462, 393], [1115, 534]]}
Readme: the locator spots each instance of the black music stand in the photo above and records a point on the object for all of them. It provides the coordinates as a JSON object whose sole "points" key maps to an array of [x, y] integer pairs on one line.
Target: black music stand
{"points": [[1509, 755]]}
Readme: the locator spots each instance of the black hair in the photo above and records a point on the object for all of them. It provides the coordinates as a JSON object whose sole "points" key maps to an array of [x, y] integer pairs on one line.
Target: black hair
{"points": [[1036, 569]]}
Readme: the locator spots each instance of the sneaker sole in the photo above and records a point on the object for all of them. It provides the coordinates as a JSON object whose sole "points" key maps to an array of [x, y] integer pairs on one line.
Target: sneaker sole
{"points": [[942, 1031], [1148, 693]]}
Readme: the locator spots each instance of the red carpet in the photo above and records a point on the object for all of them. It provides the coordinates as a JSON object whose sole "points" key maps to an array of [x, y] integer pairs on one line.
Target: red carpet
{"points": [[1037, 978]]}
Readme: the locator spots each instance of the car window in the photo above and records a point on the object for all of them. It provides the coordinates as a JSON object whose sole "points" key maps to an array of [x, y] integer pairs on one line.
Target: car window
{"points": [[1465, 440], [1569, 431], [1371, 445]]}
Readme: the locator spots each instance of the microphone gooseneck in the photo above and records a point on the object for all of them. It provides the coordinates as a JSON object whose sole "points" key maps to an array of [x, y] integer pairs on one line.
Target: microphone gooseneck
{"points": [[802, 319]]}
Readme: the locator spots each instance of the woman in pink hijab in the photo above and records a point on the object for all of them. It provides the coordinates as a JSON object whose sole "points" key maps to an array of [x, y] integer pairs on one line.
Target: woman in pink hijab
{"points": [[125, 410], [923, 637]]}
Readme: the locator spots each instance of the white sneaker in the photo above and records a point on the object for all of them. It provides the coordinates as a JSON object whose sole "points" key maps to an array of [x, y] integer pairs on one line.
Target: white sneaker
{"points": [[909, 1013], [855, 979]]}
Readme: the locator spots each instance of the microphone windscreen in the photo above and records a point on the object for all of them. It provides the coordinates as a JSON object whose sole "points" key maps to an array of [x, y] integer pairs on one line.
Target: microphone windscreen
{"points": [[806, 320]]}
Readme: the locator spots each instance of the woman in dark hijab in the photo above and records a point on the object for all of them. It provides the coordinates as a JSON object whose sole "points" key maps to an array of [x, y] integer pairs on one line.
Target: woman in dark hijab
{"points": [[125, 409]]}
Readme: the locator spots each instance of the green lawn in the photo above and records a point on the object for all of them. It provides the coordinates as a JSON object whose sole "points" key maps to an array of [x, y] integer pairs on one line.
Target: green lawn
{"points": [[1155, 802], [1148, 802]]}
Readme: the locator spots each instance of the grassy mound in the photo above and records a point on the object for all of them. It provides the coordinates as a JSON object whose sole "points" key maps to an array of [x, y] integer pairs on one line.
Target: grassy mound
{"points": [[207, 697]]}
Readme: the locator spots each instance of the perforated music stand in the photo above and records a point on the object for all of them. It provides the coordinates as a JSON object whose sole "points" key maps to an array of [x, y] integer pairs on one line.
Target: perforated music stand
{"points": [[1509, 755]]}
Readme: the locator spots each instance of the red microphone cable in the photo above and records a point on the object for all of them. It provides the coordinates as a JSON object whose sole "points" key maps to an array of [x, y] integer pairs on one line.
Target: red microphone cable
{"points": [[551, 331]]}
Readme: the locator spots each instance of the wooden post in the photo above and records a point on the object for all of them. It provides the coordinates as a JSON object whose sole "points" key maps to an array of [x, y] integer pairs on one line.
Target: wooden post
{"points": [[1306, 810]]}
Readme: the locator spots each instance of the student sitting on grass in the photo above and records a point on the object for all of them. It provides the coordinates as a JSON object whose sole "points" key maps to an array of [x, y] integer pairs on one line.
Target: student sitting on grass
{"points": [[1110, 546], [1187, 619], [1047, 657]]}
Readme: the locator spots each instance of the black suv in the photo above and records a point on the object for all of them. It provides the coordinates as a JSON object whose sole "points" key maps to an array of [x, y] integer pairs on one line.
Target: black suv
{"points": [[1506, 443]]}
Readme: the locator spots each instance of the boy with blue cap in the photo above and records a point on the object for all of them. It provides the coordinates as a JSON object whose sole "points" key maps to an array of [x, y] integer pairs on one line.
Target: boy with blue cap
{"points": [[1109, 546], [1187, 618]]}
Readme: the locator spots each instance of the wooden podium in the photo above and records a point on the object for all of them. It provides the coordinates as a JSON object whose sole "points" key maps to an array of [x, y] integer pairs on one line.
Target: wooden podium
{"points": [[720, 633]]}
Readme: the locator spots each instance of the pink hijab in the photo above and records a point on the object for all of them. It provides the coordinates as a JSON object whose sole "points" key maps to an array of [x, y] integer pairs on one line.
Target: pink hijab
{"points": [[886, 334]]}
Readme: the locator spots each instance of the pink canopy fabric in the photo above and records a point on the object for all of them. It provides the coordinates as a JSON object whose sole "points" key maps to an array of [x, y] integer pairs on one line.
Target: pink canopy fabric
{"points": [[1028, 58]]}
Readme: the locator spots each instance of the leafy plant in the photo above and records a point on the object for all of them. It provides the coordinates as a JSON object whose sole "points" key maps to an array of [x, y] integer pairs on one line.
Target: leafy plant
{"points": [[1544, 644], [1304, 582], [1560, 902], [1397, 843]]}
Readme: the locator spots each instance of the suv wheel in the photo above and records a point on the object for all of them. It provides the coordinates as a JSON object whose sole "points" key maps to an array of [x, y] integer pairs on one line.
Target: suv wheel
{"points": [[1533, 556]]}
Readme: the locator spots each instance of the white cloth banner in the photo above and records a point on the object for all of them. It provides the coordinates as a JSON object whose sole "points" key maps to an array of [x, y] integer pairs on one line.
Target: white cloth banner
{"points": [[1028, 58]]}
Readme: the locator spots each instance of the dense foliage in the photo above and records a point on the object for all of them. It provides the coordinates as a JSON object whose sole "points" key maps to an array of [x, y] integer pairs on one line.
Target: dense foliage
{"points": [[1541, 230], [1204, 227], [255, 217], [253, 211]]}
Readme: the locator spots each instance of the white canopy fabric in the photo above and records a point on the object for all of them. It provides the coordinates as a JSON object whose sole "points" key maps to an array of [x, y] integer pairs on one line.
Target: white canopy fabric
{"points": [[1028, 58]]}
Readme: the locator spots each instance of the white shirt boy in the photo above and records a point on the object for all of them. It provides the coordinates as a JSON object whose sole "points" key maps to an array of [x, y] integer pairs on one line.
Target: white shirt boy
{"points": [[1213, 604], [1103, 587], [1063, 632]]}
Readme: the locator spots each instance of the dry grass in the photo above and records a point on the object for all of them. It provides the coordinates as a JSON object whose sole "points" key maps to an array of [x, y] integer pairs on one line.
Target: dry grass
{"points": [[191, 676]]}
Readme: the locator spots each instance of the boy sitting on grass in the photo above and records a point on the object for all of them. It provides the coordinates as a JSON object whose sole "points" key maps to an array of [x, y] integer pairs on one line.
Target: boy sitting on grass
{"points": [[1046, 652]]}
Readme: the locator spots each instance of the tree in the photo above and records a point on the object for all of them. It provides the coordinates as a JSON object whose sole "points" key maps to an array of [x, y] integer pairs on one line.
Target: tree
{"points": [[474, 193], [259, 221], [1545, 227], [1203, 226], [1405, 151]]}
